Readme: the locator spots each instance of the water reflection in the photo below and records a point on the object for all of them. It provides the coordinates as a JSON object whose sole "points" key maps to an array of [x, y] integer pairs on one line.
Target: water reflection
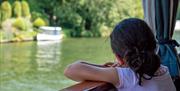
{"points": [[30, 66], [48, 55], [19, 58], [39, 66]]}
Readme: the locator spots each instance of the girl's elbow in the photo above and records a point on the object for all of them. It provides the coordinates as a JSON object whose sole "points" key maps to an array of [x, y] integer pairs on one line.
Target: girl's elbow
{"points": [[68, 71], [71, 73], [71, 70]]}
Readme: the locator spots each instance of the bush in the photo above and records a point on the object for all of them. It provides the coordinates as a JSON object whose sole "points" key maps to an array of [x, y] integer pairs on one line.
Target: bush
{"points": [[96, 33], [76, 33], [105, 31], [35, 15], [39, 22], [66, 32], [17, 9], [25, 9], [86, 34], [1, 36], [6, 10], [20, 24]]}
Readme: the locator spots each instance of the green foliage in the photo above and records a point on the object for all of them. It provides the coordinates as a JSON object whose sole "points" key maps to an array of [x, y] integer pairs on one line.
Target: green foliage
{"points": [[47, 8], [83, 17], [39, 22], [66, 32], [6, 10], [75, 33], [1, 20], [20, 24], [1, 35], [105, 31], [17, 9], [86, 34], [36, 15], [25, 9], [90, 15]]}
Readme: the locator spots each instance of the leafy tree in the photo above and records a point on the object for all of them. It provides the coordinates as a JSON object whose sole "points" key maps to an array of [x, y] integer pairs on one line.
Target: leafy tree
{"points": [[46, 7], [95, 13], [88, 15], [17, 9], [6, 10], [25, 9], [1, 17]]}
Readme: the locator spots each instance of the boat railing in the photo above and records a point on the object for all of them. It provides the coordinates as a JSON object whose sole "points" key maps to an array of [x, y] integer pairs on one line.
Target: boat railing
{"points": [[91, 86]]}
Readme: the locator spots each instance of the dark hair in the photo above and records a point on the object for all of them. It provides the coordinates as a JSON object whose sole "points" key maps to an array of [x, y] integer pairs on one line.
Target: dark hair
{"points": [[134, 41]]}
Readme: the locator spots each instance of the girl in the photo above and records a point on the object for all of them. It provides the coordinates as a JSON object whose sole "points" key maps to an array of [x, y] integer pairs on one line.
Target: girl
{"points": [[134, 45]]}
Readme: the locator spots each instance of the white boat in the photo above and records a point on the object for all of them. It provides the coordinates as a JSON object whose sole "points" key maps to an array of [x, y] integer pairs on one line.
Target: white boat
{"points": [[49, 34], [177, 26]]}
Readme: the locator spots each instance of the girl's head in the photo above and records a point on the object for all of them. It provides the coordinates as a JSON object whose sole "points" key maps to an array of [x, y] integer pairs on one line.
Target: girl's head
{"points": [[133, 42]]}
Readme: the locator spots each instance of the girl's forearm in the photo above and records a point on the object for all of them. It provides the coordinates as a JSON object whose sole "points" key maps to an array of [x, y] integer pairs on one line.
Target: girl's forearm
{"points": [[77, 70]]}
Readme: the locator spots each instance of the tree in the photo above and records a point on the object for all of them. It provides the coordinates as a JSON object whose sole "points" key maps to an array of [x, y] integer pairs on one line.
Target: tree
{"points": [[6, 10], [1, 16], [25, 9], [46, 7], [17, 9], [88, 15], [95, 13]]}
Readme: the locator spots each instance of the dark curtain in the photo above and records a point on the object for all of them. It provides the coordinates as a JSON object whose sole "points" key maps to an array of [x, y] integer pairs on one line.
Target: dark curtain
{"points": [[161, 17]]}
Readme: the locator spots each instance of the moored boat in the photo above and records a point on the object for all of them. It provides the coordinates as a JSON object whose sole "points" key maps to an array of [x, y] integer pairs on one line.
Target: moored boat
{"points": [[49, 34]]}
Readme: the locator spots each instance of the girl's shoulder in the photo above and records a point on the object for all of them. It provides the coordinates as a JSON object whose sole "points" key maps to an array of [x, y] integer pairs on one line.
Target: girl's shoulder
{"points": [[162, 73], [126, 76]]}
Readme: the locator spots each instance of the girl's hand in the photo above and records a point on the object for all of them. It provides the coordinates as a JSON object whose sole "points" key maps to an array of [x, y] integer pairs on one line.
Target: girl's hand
{"points": [[112, 64], [116, 64], [108, 64]]}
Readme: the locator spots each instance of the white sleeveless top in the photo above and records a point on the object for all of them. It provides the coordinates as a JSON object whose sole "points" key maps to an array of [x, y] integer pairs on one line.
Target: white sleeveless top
{"points": [[129, 81]]}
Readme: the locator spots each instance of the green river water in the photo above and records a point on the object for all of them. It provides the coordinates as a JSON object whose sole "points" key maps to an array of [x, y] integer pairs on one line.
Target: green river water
{"points": [[39, 66]]}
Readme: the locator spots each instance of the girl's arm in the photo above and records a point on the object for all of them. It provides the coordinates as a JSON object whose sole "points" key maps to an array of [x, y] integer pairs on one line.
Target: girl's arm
{"points": [[81, 71]]}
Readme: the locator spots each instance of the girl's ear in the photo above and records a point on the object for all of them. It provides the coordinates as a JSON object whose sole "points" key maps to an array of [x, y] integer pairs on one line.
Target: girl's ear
{"points": [[120, 60]]}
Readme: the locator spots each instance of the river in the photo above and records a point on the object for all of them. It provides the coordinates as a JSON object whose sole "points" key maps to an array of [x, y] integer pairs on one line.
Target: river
{"points": [[39, 66]]}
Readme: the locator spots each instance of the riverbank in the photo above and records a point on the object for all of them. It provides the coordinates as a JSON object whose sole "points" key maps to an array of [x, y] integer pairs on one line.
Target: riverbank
{"points": [[30, 36], [13, 41], [11, 36]]}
